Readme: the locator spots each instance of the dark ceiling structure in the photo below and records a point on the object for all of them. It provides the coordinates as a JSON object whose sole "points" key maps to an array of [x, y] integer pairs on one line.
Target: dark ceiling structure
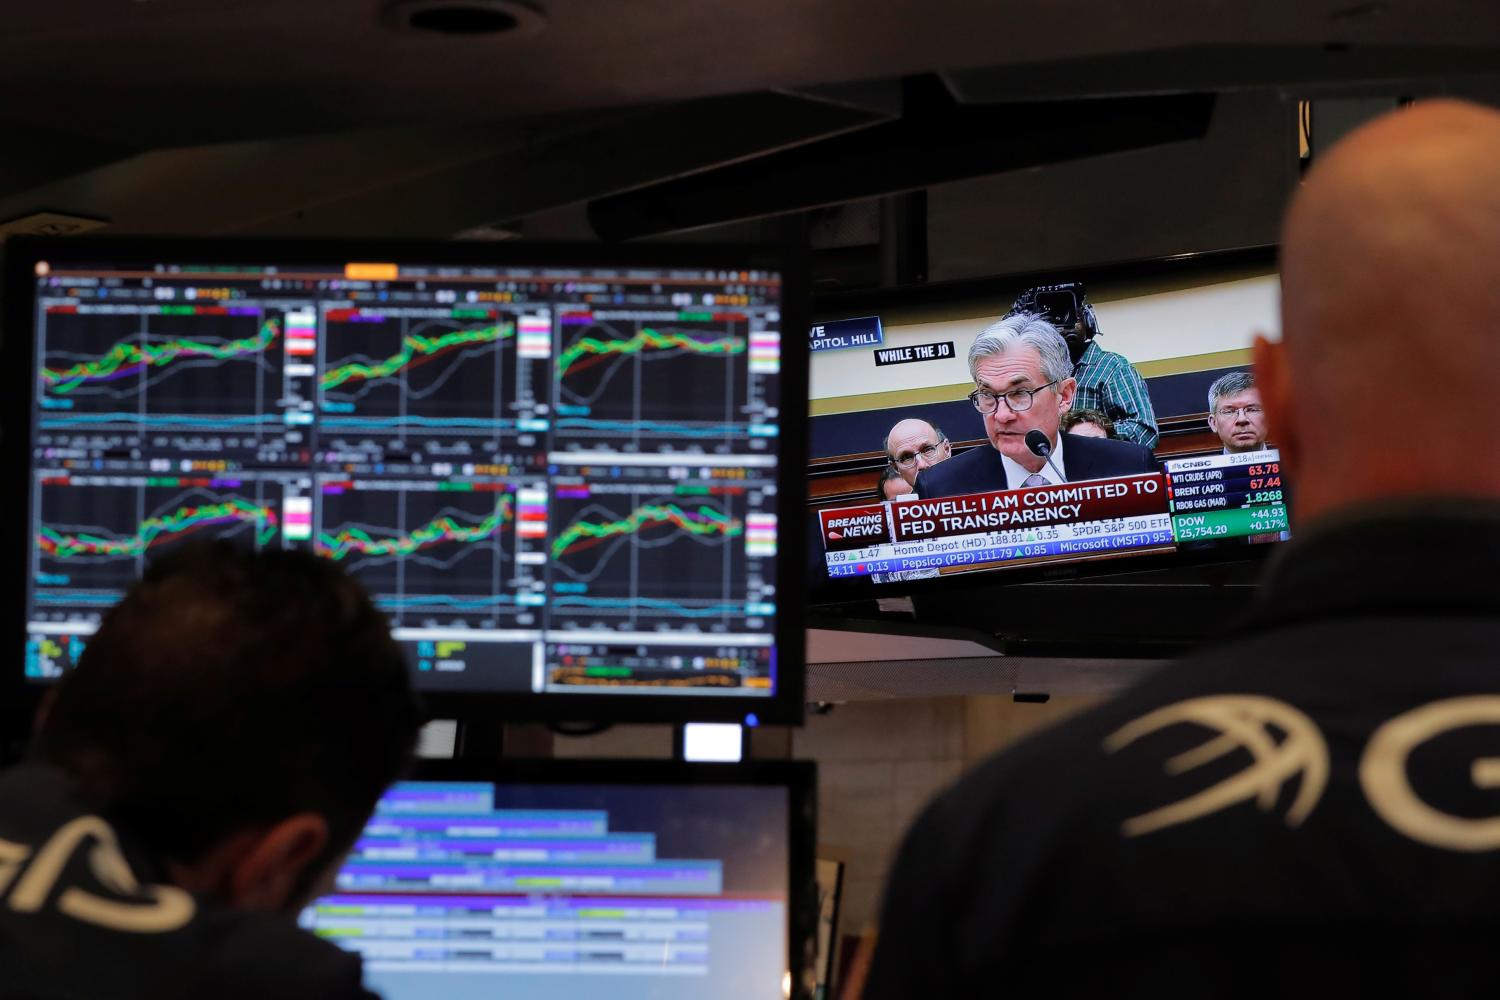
{"points": [[869, 129]]}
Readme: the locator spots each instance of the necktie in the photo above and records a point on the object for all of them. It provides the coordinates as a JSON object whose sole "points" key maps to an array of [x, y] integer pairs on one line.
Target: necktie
{"points": [[1035, 479]]}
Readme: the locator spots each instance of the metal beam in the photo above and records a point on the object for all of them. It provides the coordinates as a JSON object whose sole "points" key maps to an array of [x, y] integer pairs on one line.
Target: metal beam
{"points": [[934, 142]]}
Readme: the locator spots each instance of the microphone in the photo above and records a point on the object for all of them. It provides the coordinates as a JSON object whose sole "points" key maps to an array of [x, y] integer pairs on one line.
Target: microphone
{"points": [[1038, 445]]}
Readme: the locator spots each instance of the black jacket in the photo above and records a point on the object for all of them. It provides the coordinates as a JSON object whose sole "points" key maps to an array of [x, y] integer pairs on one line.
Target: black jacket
{"points": [[85, 914], [979, 469], [1117, 854]]}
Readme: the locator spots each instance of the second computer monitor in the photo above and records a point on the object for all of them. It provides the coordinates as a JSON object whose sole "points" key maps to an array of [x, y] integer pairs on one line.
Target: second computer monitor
{"points": [[583, 878]]}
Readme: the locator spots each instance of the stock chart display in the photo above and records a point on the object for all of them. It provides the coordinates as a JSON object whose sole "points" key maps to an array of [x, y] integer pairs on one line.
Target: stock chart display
{"points": [[551, 480], [634, 377]]}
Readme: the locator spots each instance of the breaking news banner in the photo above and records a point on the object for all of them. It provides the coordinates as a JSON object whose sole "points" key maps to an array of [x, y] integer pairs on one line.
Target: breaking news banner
{"points": [[982, 530]]}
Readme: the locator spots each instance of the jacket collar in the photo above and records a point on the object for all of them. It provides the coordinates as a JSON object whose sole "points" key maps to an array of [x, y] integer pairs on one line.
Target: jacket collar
{"points": [[1435, 558]]}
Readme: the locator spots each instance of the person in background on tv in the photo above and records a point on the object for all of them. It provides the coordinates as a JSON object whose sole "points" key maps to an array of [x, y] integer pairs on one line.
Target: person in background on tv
{"points": [[892, 484], [1307, 807], [914, 445], [1022, 384], [196, 780], [1235, 413], [1106, 381], [1089, 423]]}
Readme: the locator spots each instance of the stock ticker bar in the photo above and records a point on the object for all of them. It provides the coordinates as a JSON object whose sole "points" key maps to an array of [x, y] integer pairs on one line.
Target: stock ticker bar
{"points": [[955, 534], [1227, 496]]}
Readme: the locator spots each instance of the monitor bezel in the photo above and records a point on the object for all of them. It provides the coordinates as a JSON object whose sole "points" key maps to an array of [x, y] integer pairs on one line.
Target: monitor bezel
{"points": [[784, 706], [799, 778]]}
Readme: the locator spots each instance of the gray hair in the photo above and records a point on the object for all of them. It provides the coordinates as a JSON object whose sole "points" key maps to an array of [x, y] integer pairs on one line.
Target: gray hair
{"points": [[1228, 385], [1024, 329]]}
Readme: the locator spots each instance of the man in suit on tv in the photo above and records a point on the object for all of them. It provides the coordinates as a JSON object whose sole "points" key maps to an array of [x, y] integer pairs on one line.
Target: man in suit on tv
{"points": [[914, 445], [1023, 382]]}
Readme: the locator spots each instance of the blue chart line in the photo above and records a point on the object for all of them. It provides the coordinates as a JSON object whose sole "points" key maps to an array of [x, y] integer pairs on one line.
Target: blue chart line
{"points": [[380, 423], [650, 602], [648, 427], [159, 419], [44, 597], [444, 601]]}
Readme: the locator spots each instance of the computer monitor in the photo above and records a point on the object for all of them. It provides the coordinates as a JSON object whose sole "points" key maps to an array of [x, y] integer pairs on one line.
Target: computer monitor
{"points": [[914, 489], [552, 879], [557, 470]]}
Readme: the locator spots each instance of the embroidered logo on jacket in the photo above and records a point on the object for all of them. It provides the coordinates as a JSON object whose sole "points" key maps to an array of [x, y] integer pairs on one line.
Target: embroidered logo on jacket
{"points": [[1243, 722], [136, 908], [1252, 722]]}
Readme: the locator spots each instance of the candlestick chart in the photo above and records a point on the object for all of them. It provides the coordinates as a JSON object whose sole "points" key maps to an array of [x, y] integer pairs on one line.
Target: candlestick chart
{"points": [[424, 553], [643, 383], [95, 537], [634, 556], [399, 372], [162, 368]]}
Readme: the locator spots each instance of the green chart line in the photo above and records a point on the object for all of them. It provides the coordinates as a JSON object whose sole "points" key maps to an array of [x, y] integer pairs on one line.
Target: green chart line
{"points": [[151, 530], [434, 532], [703, 521], [415, 349], [125, 359], [647, 337]]}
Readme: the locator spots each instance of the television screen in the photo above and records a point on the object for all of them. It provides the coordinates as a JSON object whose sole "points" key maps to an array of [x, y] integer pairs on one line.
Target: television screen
{"points": [[557, 471], [958, 447], [619, 879]]}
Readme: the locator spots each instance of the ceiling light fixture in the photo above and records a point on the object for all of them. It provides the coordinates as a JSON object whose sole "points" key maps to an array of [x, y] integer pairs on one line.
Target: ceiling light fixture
{"points": [[464, 18]]}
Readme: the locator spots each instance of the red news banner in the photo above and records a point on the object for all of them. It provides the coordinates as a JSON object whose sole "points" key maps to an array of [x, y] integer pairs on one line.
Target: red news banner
{"points": [[1071, 520]]}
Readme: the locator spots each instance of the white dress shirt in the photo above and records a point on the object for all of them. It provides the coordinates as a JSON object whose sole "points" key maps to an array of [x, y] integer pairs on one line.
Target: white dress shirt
{"points": [[1016, 474]]}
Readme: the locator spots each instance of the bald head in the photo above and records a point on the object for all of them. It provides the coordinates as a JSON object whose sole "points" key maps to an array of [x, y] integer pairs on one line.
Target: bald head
{"points": [[1390, 302]]}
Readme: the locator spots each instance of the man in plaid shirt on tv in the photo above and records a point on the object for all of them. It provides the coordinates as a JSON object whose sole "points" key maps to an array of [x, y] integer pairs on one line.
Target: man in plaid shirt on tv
{"points": [[1106, 381]]}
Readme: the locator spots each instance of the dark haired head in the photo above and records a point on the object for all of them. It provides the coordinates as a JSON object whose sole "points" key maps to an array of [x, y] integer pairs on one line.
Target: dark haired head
{"points": [[228, 690], [889, 474], [1066, 306]]}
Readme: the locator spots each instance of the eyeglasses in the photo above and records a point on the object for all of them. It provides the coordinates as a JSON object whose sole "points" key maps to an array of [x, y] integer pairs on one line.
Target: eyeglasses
{"points": [[1019, 400], [1233, 412], [929, 453]]}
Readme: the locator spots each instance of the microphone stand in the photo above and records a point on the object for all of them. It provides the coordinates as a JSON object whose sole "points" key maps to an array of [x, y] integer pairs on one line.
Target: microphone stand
{"points": [[1038, 445]]}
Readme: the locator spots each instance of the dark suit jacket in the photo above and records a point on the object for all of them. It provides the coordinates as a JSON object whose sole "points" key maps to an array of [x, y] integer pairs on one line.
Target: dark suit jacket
{"points": [[1027, 874], [979, 469]]}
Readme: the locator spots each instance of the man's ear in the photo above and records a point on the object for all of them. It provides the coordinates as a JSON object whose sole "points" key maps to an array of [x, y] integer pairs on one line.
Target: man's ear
{"points": [[1065, 392], [276, 864], [1272, 379]]}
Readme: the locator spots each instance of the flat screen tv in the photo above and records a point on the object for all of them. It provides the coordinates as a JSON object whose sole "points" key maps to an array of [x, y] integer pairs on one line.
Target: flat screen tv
{"points": [[923, 458]]}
